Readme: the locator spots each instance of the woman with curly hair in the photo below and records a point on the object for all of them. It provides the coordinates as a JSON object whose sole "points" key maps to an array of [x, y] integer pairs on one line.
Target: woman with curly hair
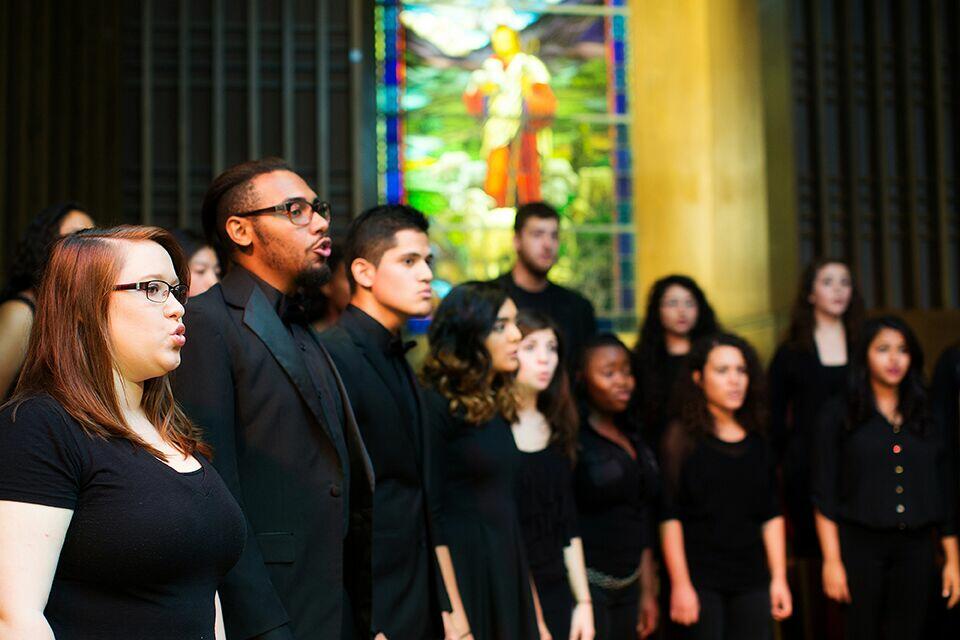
{"points": [[469, 405], [546, 434], [881, 488], [18, 299], [721, 528], [677, 314]]}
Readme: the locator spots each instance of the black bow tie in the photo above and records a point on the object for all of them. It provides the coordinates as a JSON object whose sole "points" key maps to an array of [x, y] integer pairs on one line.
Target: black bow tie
{"points": [[398, 347]]}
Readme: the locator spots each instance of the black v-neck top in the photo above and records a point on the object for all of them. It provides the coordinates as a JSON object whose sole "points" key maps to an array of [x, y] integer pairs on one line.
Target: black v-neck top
{"points": [[146, 546]]}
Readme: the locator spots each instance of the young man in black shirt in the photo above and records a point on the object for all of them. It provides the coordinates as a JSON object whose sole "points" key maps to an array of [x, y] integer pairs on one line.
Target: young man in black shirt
{"points": [[388, 263], [537, 241]]}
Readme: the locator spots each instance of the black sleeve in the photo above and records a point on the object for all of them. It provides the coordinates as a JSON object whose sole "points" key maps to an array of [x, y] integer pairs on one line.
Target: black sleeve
{"points": [[204, 387], [945, 394], [673, 450], [825, 476], [771, 499], [780, 380], [41, 460], [436, 421], [570, 527]]}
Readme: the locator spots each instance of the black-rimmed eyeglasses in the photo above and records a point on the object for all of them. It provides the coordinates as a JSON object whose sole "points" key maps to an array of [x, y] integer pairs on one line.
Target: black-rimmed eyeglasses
{"points": [[299, 210], [157, 290]]}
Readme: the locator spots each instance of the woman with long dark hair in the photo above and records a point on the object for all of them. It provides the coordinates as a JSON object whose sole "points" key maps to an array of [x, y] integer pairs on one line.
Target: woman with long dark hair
{"points": [[721, 529], [113, 524], [469, 404], [545, 431], [616, 485], [881, 487], [18, 300], [677, 314], [808, 368]]}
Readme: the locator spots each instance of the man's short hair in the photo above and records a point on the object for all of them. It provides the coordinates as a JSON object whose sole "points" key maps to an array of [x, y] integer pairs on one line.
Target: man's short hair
{"points": [[533, 210], [373, 233], [232, 192]]}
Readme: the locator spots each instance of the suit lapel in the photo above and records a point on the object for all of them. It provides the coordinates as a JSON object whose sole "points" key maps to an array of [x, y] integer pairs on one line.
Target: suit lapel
{"points": [[263, 320]]}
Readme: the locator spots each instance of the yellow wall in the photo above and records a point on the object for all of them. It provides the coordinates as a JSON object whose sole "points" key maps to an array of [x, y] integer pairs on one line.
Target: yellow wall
{"points": [[700, 169]]}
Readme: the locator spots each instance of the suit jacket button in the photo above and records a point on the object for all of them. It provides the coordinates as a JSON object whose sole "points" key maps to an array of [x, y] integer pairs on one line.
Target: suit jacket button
{"points": [[335, 491]]}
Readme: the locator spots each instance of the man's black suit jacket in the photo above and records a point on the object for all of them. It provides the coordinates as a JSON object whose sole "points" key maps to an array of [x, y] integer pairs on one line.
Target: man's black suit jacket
{"points": [[279, 445], [408, 593]]}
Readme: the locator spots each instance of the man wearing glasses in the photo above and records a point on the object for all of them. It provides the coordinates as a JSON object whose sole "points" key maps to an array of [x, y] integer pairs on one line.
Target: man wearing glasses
{"points": [[269, 400]]}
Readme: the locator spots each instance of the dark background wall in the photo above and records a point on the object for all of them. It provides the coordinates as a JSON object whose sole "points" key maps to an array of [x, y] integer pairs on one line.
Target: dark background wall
{"points": [[131, 107]]}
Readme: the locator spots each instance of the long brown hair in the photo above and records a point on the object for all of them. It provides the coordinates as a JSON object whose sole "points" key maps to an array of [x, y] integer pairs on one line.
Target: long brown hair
{"points": [[69, 355], [458, 365], [802, 320], [556, 401]]}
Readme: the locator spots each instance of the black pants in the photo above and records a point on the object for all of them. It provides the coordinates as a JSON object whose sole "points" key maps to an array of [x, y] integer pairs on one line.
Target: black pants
{"points": [[615, 612], [743, 615], [890, 575]]}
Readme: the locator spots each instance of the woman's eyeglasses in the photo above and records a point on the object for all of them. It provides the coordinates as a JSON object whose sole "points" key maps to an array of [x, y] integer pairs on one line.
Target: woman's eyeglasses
{"points": [[157, 290]]}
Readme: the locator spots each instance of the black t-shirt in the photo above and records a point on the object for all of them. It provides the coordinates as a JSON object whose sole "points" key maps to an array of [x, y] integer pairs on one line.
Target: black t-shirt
{"points": [[570, 310], [722, 493], [146, 546]]}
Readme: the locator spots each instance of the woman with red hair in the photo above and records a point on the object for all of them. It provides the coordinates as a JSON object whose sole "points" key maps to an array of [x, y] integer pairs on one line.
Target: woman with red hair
{"points": [[113, 524]]}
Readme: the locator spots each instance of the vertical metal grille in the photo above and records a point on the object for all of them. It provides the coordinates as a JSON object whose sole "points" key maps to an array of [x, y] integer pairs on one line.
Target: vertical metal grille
{"points": [[211, 83], [875, 97]]}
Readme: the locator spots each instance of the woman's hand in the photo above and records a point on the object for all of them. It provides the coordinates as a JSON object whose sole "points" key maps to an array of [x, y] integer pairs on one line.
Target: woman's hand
{"points": [[781, 602], [835, 581], [684, 604], [581, 622], [649, 616], [951, 584]]}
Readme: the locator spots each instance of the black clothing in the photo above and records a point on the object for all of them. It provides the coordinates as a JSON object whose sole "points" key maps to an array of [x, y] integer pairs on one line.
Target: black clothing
{"points": [[571, 311], [270, 402], [615, 497], [146, 546], [653, 400], [722, 493], [548, 519], [476, 468], [880, 476], [408, 593], [615, 612], [741, 615], [891, 575], [800, 385], [945, 397]]}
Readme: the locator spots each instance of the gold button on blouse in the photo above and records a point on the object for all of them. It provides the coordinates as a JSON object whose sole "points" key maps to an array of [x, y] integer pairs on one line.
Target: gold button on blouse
{"points": [[901, 508], [898, 469], [899, 489]]}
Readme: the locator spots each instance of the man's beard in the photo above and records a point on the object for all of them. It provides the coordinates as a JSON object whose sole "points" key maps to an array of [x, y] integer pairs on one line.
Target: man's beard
{"points": [[311, 279], [532, 267]]}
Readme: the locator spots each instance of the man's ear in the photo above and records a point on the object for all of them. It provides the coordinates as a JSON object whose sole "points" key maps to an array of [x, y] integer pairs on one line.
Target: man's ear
{"points": [[240, 231], [364, 272], [516, 241]]}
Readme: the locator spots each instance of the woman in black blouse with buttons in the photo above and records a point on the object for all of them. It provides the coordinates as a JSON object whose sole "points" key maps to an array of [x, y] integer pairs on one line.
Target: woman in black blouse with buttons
{"points": [[722, 531], [113, 523], [879, 488], [616, 485]]}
